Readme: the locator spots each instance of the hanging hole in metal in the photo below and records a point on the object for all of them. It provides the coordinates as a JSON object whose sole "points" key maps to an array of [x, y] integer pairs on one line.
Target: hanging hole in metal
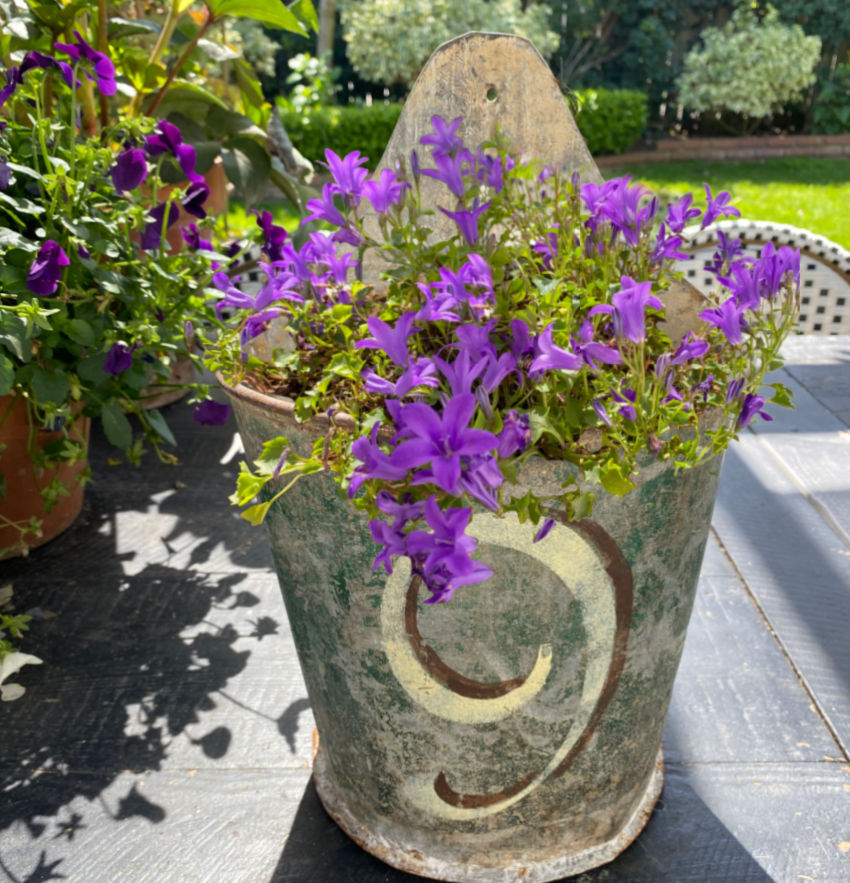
{"points": [[492, 94]]}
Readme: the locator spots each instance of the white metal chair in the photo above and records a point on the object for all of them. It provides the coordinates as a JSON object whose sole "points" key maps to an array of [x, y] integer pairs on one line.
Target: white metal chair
{"points": [[824, 268]]}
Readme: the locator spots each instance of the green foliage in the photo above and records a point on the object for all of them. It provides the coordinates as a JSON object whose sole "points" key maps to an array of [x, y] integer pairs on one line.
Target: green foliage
{"points": [[611, 120], [831, 107], [388, 41], [342, 129], [312, 80], [750, 68]]}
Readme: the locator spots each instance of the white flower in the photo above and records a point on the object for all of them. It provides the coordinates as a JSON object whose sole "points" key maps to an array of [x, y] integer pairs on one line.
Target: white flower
{"points": [[9, 664]]}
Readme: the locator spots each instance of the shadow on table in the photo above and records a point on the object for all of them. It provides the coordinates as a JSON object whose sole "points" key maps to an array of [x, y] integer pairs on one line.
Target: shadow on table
{"points": [[684, 840], [131, 649]]}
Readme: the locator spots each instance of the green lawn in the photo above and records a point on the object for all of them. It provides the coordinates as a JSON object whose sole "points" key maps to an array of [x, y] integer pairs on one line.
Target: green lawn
{"points": [[808, 192]]}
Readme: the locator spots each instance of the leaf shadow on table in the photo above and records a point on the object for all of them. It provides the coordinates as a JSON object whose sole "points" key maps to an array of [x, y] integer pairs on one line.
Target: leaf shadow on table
{"points": [[136, 644]]}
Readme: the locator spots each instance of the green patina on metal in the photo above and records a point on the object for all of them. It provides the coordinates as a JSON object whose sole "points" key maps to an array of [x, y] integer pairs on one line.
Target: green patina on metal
{"points": [[398, 739]]}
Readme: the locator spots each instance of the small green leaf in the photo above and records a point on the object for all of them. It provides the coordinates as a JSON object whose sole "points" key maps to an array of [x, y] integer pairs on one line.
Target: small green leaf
{"points": [[269, 12], [612, 479], [116, 425], [81, 332], [255, 514], [158, 424], [782, 396], [7, 375], [248, 485], [50, 386]]}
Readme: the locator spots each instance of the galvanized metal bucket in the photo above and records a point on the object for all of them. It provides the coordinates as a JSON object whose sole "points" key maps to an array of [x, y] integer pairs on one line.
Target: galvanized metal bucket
{"points": [[513, 734]]}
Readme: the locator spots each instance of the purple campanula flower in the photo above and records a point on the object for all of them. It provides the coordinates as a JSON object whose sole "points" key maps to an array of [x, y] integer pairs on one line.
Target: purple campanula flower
{"points": [[104, 70], [626, 399], [728, 317], [152, 235], [274, 235], [690, 348], [549, 357], [591, 350], [420, 372], [439, 305], [375, 463], [441, 440], [130, 169], [192, 237], [497, 370], [477, 279], [347, 173], [547, 249], [462, 372], [451, 170], [490, 171], [735, 389], [547, 525], [742, 280], [717, 207], [467, 219], [196, 196], [680, 212], [627, 309], [118, 359], [386, 192], [667, 247], [703, 387], [601, 411], [323, 260], [515, 435], [324, 208], [521, 343], [728, 250], [392, 341], [619, 201], [46, 270], [481, 478], [211, 413], [752, 405], [444, 138], [393, 541], [476, 339]]}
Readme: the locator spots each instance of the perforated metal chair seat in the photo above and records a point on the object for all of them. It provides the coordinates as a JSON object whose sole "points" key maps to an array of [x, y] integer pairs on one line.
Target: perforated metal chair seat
{"points": [[824, 268]]}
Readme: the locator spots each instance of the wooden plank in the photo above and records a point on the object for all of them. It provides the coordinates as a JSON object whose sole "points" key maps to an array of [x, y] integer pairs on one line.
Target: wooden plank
{"points": [[796, 567]]}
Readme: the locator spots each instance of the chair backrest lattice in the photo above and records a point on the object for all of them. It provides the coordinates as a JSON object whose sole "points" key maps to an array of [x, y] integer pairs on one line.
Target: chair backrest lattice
{"points": [[824, 268]]}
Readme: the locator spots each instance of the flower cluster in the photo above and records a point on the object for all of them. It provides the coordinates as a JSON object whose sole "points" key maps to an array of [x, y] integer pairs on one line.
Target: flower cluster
{"points": [[536, 327]]}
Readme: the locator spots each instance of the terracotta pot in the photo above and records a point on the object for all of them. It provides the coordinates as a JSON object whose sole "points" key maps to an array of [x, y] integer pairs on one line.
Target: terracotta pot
{"points": [[514, 733], [23, 499]]}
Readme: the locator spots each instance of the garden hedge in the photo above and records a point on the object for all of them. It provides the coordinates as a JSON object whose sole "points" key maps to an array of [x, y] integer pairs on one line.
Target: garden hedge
{"points": [[611, 120]]}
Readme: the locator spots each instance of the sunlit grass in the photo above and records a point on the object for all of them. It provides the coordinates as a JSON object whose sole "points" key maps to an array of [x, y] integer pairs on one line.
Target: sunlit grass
{"points": [[808, 192]]}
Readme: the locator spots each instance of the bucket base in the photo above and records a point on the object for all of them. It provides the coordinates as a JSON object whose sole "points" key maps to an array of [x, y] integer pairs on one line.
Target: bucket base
{"points": [[412, 861]]}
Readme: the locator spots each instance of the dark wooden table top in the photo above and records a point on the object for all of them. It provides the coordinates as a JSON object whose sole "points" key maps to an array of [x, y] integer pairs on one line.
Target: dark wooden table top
{"points": [[168, 736]]}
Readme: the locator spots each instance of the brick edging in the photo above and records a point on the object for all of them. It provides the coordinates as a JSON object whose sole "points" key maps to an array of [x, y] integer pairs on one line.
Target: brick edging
{"points": [[748, 147]]}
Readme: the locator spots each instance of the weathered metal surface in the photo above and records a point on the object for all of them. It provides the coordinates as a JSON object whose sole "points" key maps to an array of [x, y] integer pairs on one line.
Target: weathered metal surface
{"points": [[499, 85], [517, 726]]}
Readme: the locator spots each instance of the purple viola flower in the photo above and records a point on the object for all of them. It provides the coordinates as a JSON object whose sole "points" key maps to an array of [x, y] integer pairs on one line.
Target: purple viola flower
{"points": [[152, 235], [5, 175], [192, 237], [166, 139], [211, 413], [118, 359], [547, 526], [751, 406], [451, 170], [515, 435], [728, 317], [274, 234], [347, 173], [14, 78], [185, 155], [444, 138], [46, 270], [83, 252], [196, 195], [104, 70], [467, 219], [441, 440], [550, 357], [680, 212], [386, 192], [627, 309], [392, 341], [717, 207], [130, 169]]}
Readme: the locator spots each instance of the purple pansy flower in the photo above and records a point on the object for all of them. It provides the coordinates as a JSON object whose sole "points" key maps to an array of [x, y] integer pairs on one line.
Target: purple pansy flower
{"points": [[104, 70], [211, 413], [196, 196], [118, 359], [274, 234], [46, 270], [192, 237], [130, 169]]}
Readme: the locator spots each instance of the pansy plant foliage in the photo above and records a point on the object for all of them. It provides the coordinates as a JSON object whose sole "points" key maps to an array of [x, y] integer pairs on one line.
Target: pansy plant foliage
{"points": [[537, 328], [96, 302]]}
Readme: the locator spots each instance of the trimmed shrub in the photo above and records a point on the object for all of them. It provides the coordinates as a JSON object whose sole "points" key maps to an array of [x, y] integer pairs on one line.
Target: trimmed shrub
{"points": [[749, 69], [611, 120], [342, 129]]}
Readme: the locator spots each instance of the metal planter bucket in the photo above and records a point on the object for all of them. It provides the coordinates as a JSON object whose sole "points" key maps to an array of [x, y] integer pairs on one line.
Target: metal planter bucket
{"points": [[515, 732]]}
